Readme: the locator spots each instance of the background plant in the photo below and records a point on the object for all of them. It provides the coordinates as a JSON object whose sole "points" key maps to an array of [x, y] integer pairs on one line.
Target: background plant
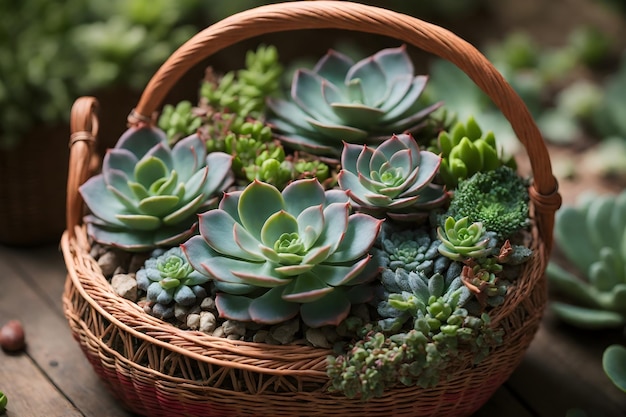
{"points": [[113, 43], [590, 234]]}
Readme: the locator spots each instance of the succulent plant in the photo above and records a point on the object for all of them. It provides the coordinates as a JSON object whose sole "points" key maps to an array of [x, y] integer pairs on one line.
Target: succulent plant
{"points": [[340, 100], [179, 121], [148, 194], [591, 236], [429, 301], [461, 240], [274, 255], [169, 279], [421, 354], [498, 199], [243, 92], [409, 249], [393, 179], [464, 151]]}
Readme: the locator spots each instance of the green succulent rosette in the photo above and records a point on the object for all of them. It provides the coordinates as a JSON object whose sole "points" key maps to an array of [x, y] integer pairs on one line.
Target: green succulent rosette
{"points": [[393, 179], [340, 100], [461, 239], [148, 194], [274, 255]]}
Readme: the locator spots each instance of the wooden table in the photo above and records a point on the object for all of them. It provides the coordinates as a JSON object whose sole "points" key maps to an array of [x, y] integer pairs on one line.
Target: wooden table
{"points": [[561, 370]]}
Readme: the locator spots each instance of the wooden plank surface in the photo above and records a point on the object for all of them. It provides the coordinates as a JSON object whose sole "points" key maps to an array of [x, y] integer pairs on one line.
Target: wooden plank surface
{"points": [[560, 371], [32, 284]]}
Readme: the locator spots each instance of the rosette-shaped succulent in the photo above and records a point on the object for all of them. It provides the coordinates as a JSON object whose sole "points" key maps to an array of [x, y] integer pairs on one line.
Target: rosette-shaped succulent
{"points": [[275, 254], [169, 278], [461, 240], [394, 179], [592, 236], [411, 250], [148, 194], [340, 100]]}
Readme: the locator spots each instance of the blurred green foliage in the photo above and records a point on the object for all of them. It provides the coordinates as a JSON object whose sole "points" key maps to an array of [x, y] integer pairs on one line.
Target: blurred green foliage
{"points": [[50, 53]]}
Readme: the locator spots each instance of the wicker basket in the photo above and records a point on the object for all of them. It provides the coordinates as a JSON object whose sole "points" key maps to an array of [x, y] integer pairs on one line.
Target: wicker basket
{"points": [[157, 369]]}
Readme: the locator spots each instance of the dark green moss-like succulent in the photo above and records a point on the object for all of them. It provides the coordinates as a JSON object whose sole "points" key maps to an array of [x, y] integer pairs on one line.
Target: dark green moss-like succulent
{"points": [[498, 199]]}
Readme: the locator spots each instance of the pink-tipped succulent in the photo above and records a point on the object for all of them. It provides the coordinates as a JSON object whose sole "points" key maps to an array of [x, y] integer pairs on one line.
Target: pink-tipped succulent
{"points": [[276, 255], [148, 194], [394, 179], [340, 100]]}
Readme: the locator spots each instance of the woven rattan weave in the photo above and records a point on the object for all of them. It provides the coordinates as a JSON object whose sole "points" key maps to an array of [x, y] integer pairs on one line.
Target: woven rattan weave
{"points": [[157, 369]]}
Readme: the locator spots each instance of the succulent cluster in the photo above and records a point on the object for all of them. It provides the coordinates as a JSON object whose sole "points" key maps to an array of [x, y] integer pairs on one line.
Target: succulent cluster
{"points": [[380, 245], [274, 255], [461, 240], [591, 236], [148, 194], [169, 280], [465, 150], [340, 100], [419, 355], [229, 118]]}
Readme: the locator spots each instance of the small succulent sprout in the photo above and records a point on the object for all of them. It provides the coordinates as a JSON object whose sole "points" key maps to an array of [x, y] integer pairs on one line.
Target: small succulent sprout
{"points": [[179, 121], [487, 288], [307, 168], [591, 236], [169, 278], [394, 179], [362, 102], [148, 194], [275, 171], [276, 255], [243, 92], [461, 239], [464, 151]]}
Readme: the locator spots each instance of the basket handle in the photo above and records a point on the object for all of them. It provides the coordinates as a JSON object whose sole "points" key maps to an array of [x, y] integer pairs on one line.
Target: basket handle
{"points": [[362, 18], [84, 130]]}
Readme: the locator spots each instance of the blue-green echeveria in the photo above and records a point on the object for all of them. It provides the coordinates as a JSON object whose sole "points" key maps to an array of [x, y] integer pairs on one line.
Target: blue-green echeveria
{"points": [[148, 194], [363, 102], [170, 278], [274, 255], [394, 179]]}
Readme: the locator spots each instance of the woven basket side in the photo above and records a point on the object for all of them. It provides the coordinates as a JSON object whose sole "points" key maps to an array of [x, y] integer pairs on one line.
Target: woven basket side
{"points": [[152, 388]]}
